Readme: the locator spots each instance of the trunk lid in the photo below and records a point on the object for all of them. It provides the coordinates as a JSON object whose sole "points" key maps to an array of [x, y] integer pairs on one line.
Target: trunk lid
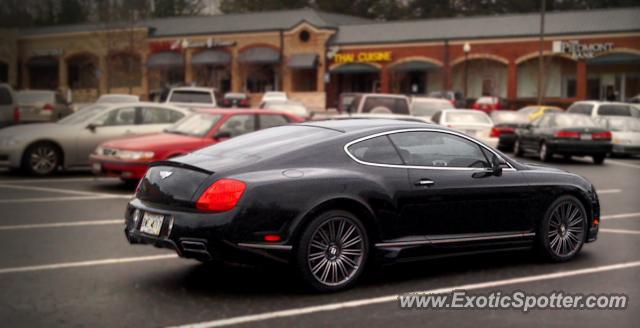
{"points": [[172, 184]]}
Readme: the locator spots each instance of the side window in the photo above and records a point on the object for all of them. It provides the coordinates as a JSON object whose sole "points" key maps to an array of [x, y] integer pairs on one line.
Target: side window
{"points": [[580, 109], [378, 150], [438, 149], [159, 115], [239, 124], [120, 116], [614, 110], [269, 120]]}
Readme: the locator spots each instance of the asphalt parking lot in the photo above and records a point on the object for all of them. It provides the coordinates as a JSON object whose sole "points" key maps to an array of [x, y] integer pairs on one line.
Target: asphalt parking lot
{"points": [[64, 261]]}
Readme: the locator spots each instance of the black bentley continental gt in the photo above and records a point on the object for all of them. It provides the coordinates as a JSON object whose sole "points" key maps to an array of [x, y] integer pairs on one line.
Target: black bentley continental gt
{"points": [[329, 197]]}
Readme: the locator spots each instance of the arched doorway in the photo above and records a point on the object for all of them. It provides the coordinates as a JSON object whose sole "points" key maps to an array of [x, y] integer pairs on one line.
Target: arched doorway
{"points": [[415, 77], [613, 76], [82, 72], [125, 70], [484, 77], [356, 77], [212, 69], [43, 72], [166, 68], [559, 77]]}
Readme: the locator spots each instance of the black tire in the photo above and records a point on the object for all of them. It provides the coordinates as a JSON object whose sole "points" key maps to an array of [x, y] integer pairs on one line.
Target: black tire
{"points": [[340, 260], [517, 148], [543, 152], [41, 159], [598, 159], [560, 222]]}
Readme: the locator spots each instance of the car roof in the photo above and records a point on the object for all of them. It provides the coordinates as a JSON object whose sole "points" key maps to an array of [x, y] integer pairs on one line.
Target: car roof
{"points": [[429, 99], [597, 102], [234, 111], [362, 125], [390, 95], [192, 89]]}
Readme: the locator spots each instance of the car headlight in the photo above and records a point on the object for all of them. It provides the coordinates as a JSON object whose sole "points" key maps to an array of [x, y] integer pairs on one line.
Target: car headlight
{"points": [[99, 150], [135, 155], [9, 142]]}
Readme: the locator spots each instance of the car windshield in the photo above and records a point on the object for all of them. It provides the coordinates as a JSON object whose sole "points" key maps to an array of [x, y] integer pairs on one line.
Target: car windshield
{"points": [[235, 96], [623, 124], [487, 100], [454, 117], [428, 108], [117, 99], [570, 121], [509, 117], [25, 97], [183, 96], [614, 110], [197, 125], [83, 115]]}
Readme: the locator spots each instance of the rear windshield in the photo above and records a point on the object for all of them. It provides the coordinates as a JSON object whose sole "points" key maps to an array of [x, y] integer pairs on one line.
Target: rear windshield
{"points": [[467, 118], [428, 108], [614, 110], [569, 121], [392, 104], [191, 97], [509, 117], [268, 142], [25, 97]]}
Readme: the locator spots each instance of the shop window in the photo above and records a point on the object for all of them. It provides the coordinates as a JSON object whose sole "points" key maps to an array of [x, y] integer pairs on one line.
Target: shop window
{"points": [[261, 79], [82, 72], [125, 70], [569, 87], [214, 76], [305, 79], [4, 72], [43, 72], [632, 86]]}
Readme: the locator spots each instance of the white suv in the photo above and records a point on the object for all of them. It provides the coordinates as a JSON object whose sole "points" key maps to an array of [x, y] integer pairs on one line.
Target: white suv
{"points": [[603, 108], [192, 97]]}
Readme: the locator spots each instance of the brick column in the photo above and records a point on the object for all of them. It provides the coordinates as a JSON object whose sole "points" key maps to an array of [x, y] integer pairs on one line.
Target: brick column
{"points": [[145, 76], [63, 81], [188, 69], [25, 82], [321, 69], [103, 79], [385, 80], [512, 81], [237, 79], [581, 79]]}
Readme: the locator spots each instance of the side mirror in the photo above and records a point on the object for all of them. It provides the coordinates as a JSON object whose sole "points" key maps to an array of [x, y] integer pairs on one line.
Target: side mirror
{"points": [[222, 135], [496, 167], [93, 126]]}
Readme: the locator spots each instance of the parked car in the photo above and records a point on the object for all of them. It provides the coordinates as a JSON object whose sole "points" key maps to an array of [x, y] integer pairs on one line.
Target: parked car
{"points": [[117, 98], [192, 97], [634, 100], [288, 106], [8, 105], [345, 100], [489, 104], [456, 98], [425, 107], [41, 106], [407, 118], [129, 158], [274, 95], [332, 197], [472, 122], [625, 134], [505, 125], [236, 99], [535, 112], [379, 103], [564, 134], [40, 149], [603, 108]]}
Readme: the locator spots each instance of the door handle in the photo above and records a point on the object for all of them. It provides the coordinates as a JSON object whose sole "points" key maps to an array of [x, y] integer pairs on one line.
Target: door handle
{"points": [[425, 182]]}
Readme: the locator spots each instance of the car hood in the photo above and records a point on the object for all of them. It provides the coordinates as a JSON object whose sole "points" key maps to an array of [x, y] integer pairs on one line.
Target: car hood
{"points": [[544, 168], [158, 141], [31, 131]]}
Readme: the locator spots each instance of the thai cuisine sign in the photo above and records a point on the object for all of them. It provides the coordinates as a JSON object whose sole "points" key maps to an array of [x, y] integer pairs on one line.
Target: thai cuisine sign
{"points": [[363, 57], [581, 50]]}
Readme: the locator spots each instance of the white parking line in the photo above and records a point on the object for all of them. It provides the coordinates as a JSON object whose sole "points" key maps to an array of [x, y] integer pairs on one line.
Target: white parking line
{"points": [[61, 224], [87, 263], [22, 181], [620, 216], [394, 297], [59, 199], [57, 190], [622, 231], [608, 191], [635, 166]]}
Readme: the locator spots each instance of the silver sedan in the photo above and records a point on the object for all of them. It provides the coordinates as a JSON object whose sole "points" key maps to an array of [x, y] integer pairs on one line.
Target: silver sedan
{"points": [[40, 149]]}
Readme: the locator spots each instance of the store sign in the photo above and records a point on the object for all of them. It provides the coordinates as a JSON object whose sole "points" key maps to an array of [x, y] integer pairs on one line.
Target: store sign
{"points": [[581, 50], [179, 44], [363, 57], [47, 53]]}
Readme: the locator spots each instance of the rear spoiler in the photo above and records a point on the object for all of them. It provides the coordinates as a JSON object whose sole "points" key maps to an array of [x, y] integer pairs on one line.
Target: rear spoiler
{"points": [[180, 165]]}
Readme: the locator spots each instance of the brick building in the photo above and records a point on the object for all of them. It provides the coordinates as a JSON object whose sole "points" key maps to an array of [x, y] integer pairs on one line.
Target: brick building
{"points": [[314, 56]]}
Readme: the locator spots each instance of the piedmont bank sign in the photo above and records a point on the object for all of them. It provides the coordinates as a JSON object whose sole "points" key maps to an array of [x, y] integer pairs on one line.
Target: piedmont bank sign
{"points": [[581, 50]]}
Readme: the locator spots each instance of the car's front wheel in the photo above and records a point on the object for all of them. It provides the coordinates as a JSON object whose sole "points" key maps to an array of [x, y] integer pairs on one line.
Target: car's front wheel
{"points": [[41, 159], [561, 234], [332, 251], [598, 159], [517, 148], [544, 153]]}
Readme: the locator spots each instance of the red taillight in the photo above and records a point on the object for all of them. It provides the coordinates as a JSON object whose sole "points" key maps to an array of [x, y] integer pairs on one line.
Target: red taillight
{"points": [[244, 102], [16, 115], [602, 135], [567, 134], [496, 132], [47, 107], [221, 196], [272, 238]]}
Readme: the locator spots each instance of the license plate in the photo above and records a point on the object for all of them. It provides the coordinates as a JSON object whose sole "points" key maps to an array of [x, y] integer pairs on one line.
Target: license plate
{"points": [[585, 136], [151, 223]]}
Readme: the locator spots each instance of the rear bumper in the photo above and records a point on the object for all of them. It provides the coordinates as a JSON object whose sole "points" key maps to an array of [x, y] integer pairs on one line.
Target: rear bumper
{"points": [[579, 148], [121, 169], [625, 150]]}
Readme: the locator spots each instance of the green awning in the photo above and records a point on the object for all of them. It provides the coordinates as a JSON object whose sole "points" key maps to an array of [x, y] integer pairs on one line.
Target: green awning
{"points": [[615, 59], [165, 59], [303, 61], [211, 57], [259, 55], [355, 68], [415, 65]]}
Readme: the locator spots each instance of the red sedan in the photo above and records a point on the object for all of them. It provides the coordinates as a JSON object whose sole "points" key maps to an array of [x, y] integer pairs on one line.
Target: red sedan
{"points": [[129, 158]]}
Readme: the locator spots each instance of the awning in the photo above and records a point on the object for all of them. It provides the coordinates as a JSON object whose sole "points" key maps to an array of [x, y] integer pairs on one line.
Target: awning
{"points": [[302, 61], [165, 59], [355, 68], [43, 61], [259, 55], [211, 57], [615, 59], [415, 65]]}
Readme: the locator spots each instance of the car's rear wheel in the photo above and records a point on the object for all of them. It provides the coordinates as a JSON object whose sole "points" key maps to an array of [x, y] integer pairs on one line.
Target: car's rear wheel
{"points": [[544, 153], [41, 159], [562, 231], [517, 148], [598, 159], [332, 251]]}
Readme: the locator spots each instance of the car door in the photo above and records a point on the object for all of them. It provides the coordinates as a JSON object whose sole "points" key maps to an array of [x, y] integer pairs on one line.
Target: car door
{"points": [[117, 123], [454, 193]]}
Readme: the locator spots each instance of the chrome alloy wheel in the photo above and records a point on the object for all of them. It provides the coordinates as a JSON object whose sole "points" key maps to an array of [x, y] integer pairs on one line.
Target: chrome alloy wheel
{"points": [[566, 228], [336, 251], [43, 159]]}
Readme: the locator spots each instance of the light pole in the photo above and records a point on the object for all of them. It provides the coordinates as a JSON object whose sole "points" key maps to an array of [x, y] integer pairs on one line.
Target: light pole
{"points": [[466, 48]]}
